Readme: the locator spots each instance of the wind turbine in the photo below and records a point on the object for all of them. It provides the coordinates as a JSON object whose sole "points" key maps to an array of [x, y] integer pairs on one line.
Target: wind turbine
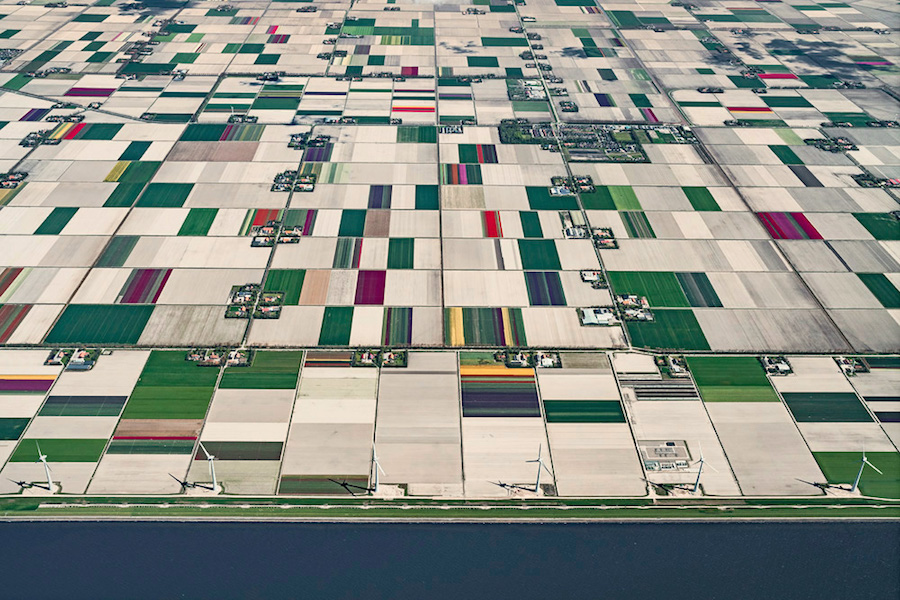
{"points": [[376, 468], [540, 462], [42, 458], [701, 462], [210, 459], [862, 466]]}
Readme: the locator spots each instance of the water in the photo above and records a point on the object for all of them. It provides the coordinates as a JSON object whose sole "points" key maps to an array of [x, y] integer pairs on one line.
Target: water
{"points": [[671, 561]]}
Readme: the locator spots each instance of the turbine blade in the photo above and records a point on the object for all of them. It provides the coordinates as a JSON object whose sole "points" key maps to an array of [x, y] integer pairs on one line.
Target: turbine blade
{"points": [[715, 470], [202, 447], [877, 470], [546, 468], [380, 470]]}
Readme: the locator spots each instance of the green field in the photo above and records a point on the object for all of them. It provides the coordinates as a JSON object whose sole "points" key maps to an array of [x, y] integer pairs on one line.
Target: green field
{"points": [[96, 406], [423, 134], [698, 290], [171, 388], [100, 324], [273, 103], [503, 41], [59, 450], [624, 198], [135, 151], [531, 224], [289, 281], [202, 132], [271, 370], [100, 131], [117, 251], [786, 102], [701, 198], [140, 171], [600, 199], [731, 379], [303, 485], [882, 288], [56, 221], [353, 223], [427, 197], [11, 428], [242, 450], [477, 358], [637, 225], [660, 289], [842, 467], [584, 411], [336, 324], [165, 195], [539, 255], [198, 221], [833, 407], [882, 226], [786, 155], [401, 253], [539, 198], [670, 330], [124, 195], [482, 61]]}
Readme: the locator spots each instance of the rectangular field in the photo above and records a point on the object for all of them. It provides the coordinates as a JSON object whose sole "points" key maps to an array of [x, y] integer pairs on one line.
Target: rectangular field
{"points": [[584, 411], [826, 407], [171, 388], [731, 379], [272, 370], [671, 329], [59, 450], [842, 468], [99, 324]]}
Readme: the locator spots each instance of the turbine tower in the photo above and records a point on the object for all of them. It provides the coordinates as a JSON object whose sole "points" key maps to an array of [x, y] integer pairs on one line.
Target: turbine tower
{"points": [[42, 458], [376, 468], [210, 459], [701, 462], [540, 462], [862, 466]]}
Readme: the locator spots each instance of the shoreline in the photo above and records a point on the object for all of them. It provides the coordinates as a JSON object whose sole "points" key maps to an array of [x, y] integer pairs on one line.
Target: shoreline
{"points": [[152, 509], [435, 521]]}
